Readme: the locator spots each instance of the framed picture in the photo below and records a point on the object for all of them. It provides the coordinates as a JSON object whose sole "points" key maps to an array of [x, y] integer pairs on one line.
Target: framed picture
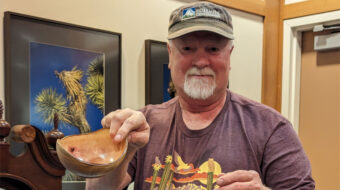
{"points": [[158, 85], [55, 67]]}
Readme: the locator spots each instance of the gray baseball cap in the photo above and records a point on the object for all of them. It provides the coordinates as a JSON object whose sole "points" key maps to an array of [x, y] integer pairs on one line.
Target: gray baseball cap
{"points": [[200, 16]]}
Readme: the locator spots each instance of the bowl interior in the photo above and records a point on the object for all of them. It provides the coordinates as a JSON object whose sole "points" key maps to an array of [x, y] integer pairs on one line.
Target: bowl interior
{"points": [[95, 148]]}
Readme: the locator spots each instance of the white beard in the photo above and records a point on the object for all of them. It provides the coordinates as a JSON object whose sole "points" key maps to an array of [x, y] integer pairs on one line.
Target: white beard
{"points": [[199, 88]]}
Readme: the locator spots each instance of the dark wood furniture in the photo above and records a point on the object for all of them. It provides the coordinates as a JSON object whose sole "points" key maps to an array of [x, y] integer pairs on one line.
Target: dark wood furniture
{"points": [[38, 168]]}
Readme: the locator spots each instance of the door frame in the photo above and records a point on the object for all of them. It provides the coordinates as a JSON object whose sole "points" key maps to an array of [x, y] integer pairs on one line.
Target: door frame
{"points": [[291, 61]]}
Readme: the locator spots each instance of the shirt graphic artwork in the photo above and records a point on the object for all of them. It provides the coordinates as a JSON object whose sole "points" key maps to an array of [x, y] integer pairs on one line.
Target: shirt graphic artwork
{"points": [[189, 177], [245, 135]]}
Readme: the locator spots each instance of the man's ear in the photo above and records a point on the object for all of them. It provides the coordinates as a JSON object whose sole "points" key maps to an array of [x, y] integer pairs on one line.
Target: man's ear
{"points": [[231, 49], [169, 49]]}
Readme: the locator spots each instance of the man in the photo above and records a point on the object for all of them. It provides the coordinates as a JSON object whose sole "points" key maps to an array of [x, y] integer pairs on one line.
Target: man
{"points": [[207, 137]]}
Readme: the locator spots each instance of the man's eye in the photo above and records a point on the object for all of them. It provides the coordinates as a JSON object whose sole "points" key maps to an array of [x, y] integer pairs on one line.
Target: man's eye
{"points": [[186, 48], [213, 49]]}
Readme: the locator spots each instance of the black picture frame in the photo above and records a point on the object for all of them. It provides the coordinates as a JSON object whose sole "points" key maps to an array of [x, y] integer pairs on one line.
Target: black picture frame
{"points": [[20, 29], [156, 61]]}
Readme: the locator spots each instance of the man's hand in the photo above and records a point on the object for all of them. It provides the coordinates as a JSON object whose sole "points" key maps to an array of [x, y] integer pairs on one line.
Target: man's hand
{"points": [[123, 124], [240, 179], [128, 123]]}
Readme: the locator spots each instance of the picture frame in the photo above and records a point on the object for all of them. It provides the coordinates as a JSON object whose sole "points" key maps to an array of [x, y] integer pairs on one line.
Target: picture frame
{"points": [[20, 29], [26, 37], [157, 74]]}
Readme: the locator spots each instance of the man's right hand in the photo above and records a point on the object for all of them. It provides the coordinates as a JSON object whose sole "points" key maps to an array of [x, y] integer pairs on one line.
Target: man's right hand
{"points": [[130, 124], [125, 123]]}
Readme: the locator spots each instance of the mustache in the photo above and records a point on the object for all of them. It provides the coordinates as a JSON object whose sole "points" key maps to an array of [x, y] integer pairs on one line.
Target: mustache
{"points": [[204, 71]]}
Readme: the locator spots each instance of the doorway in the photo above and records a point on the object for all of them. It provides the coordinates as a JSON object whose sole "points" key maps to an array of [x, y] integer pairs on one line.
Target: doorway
{"points": [[319, 120]]}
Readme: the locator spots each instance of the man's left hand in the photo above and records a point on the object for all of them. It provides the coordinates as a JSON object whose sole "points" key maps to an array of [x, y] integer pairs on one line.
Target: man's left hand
{"points": [[240, 179]]}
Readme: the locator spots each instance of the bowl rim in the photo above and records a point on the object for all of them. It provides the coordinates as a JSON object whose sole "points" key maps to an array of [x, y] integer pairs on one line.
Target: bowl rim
{"points": [[88, 163]]}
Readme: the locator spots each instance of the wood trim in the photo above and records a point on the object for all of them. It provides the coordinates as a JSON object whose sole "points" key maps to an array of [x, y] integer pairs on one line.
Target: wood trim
{"points": [[251, 6], [279, 67], [308, 8], [271, 67]]}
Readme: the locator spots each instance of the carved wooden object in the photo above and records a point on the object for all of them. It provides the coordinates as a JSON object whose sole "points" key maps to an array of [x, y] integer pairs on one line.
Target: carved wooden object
{"points": [[54, 134], [37, 168], [4, 126]]}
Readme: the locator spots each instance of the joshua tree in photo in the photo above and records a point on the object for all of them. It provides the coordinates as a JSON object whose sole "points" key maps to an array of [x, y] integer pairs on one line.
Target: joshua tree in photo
{"points": [[94, 88], [49, 103], [76, 97]]}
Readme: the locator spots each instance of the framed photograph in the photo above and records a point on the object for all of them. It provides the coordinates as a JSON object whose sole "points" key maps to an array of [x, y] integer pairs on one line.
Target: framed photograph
{"points": [[158, 84], [55, 67]]}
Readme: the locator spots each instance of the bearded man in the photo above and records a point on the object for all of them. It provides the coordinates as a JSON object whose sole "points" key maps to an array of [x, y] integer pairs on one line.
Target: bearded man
{"points": [[207, 136]]}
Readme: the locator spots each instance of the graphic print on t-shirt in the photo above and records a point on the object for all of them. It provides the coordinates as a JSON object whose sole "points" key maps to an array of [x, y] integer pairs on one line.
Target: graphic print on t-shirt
{"points": [[188, 177]]}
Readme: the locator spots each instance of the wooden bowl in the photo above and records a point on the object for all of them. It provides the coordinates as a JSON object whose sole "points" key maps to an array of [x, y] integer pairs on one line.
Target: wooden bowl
{"points": [[91, 155]]}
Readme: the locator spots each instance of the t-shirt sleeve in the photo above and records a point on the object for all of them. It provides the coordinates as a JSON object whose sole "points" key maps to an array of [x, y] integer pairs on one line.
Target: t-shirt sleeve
{"points": [[285, 164]]}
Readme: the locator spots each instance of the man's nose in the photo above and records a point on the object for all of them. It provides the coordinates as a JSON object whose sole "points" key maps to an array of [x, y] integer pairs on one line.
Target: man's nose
{"points": [[201, 59]]}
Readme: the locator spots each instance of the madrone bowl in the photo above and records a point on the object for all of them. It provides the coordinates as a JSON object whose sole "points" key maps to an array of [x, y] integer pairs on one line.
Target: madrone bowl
{"points": [[91, 155]]}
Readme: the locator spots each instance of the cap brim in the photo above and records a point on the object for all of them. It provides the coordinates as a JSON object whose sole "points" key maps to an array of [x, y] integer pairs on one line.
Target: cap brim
{"points": [[196, 28]]}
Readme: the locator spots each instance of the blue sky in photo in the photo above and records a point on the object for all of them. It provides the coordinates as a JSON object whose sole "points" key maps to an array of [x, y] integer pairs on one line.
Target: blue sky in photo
{"points": [[44, 61]]}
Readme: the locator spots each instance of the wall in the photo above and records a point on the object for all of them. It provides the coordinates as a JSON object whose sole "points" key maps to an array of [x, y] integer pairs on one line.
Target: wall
{"points": [[246, 59], [139, 20]]}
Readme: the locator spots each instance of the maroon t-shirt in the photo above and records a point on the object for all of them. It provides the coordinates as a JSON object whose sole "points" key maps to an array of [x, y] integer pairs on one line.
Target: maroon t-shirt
{"points": [[245, 135]]}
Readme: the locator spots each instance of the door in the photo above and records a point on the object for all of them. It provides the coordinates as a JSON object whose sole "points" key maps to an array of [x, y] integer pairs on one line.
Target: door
{"points": [[319, 127]]}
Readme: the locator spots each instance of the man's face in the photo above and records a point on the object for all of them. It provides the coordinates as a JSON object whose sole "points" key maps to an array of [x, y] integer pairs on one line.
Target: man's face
{"points": [[200, 64]]}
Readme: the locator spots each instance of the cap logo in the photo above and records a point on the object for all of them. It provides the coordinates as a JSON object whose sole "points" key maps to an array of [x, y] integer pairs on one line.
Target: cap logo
{"points": [[188, 13], [204, 12], [200, 12], [200, 16]]}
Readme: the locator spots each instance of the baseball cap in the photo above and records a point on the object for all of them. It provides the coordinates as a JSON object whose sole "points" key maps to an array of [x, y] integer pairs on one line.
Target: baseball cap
{"points": [[200, 16]]}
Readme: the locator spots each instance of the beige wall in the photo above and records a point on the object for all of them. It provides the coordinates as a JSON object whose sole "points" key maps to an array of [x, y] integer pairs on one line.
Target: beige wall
{"points": [[139, 20], [246, 59]]}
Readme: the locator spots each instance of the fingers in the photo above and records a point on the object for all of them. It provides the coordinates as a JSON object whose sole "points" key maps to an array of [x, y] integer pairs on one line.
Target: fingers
{"points": [[242, 186], [240, 179], [236, 176], [127, 123], [135, 122], [139, 139], [115, 119]]}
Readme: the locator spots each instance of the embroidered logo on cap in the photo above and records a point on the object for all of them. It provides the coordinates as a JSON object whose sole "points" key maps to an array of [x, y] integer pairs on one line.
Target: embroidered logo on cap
{"points": [[200, 12], [188, 13], [204, 12]]}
